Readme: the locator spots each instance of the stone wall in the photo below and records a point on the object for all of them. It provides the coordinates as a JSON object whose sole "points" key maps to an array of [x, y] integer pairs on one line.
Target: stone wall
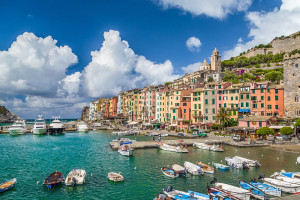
{"points": [[291, 85]]}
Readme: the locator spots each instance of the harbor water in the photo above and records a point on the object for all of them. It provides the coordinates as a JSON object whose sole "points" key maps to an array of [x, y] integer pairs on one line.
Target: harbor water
{"points": [[32, 158]]}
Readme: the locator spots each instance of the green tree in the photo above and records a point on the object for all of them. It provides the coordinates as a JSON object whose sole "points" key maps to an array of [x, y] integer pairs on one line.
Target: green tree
{"points": [[223, 117], [168, 83], [298, 123], [210, 79], [265, 131], [286, 130], [274, 76]]}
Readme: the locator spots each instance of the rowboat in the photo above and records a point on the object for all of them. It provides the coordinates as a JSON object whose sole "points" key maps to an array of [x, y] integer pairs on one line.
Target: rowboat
{"points": [[179, 169], [295, 175], [221, 166], [251, 163], [112, 176], [208, 147], [180, 195], [236, 163], [220, 193], [281, 177], [206, 168], [54, 179], [76, 177], [192, 168], [282, 185], [177, 149], [169, 172], [240, 193], [7, 185], [255, 192], [125, 150], [200, 195], [267, 189]]}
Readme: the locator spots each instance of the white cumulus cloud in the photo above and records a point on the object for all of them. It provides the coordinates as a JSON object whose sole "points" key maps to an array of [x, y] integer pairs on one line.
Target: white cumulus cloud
{"points": [[265, 26], [212, 8], [193, 44], [191, 68]]}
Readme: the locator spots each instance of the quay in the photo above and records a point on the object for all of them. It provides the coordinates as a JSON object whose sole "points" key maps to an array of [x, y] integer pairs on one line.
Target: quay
{"points": [[290, 197]]}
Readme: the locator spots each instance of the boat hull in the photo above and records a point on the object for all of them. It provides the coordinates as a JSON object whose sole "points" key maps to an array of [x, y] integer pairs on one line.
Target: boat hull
{"points": [[238, 192], [41, 131], [169, 172], [17, 131], [125, 153], [267, 189], [75, 177], [7, 185], [54, 131], [221, 166]]}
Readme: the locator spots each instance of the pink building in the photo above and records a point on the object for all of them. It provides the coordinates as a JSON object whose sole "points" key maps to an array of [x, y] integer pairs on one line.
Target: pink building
{"points": [[255, 121]]}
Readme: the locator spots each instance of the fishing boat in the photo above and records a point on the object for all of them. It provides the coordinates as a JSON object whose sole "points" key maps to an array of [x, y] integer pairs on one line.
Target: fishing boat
{"points": [[169, 172], [281, 177], [179, 169], [82, 127], [206, 168], [221, 166], [220, 193], [39, 127], [180, 195], [201, 196], [177, 149], [54, 179], [76, 177], [125, 150], [56, 127], [216, 148], [240, 193], [192, 168], [7, 185], [251, 163], [201, 145], [18, 128], [266, 188], [282, 185], [295, 175], [112, 176], [236, 163], [255, 192]]}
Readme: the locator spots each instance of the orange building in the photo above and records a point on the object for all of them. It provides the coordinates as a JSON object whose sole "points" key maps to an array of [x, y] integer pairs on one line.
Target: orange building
{"points": [[114, 106], [107, 109], [184, 115]]}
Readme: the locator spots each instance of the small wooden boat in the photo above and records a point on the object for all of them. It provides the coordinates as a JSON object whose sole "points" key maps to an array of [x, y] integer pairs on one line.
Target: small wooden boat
{"points": [[169, 172], [192, 168], [221, 166], [255, 192], [236, 163], [112, 176], [180, 170], [251, 163], [220, 193], [54, 179], [7, 185], [206, 168], [236, 191], [282, 185], [76, 177], [266, 188]]}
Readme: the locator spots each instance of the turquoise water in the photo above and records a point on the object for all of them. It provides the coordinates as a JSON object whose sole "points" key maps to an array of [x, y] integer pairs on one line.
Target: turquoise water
{"points": [[32, 158]]}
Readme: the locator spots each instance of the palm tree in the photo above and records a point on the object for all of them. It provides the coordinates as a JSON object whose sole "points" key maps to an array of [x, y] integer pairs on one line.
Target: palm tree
{"points": [[223, 117]]}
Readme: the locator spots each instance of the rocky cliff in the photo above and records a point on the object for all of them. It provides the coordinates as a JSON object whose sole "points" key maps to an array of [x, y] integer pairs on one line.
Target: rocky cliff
{"points": [[6, 116]]}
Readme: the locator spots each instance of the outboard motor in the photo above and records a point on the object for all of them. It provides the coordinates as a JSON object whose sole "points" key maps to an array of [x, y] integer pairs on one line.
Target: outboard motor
{"points": [[74, 181], [185, 172], [213, 181], [261, 176], [169, 189], [245, 165], [192, 195]]}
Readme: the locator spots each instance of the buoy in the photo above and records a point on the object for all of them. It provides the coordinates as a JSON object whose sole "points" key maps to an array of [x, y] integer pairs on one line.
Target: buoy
{"points": [[135, 168], [37, 182], [262, 155], [298, 160], [248, 152], [277, 158], [91, 174], [69, 188]]}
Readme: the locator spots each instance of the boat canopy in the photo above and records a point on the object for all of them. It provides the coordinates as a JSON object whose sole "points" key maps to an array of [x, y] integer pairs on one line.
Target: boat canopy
{"points": [[126, 143], [244, 110]]}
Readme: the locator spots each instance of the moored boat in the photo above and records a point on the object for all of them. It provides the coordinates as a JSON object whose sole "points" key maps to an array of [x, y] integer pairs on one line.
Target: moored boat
{"points": [[255, 192], [216, 148], [7, 185], [251, 163], [18, 128], [180, 195], [39, 127], [201, 145], [240, 193], [192, 168], [220, 193], [76, 177], [295, 175], [54, 179], [206, 168], [125, 150], [281, 177], [56, 127], [282, 185], [236, 163], [221, 166], [169, 172], [123, 140], [179, 169], [112, 176], [266, 188], [82, 127], [177, 149]]}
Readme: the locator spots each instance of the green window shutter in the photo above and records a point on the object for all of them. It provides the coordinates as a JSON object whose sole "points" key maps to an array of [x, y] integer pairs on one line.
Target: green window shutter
{"points": [[276, 91], [176, 98], [262, 91], [224, 105], [213, 110], [268, 90], [184, 110], [236, 98], [220, 98], [195, 106], [276, 106], [219, 86], [253, 91], [231, 98], [213, 101], [205, 92], [247, 96], [206, 110], [231, 105], [206, 117], [220, 105], [195, 113], [173, 118], [262, 105], [206, 101], [262, 98], [242, 105], [234, 112], [276, 97], [199, 106], [242, 96], [269, 98], [213, 92], [247, 104]]}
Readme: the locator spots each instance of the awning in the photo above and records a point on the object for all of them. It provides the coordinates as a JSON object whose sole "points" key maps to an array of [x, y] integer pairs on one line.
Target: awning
{"points": [[173, 125], [279, 127], [158, 124], [244, 110], [146, 124], [132, 123], [194, 129]]}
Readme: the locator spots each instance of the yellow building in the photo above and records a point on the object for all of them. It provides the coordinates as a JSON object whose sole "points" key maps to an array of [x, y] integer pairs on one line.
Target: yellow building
{"points": [[174, 105], [197, 97], [231, 100]]}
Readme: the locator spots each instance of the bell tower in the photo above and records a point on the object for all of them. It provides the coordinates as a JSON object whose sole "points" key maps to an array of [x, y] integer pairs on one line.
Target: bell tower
{"points": [[216, 61]]}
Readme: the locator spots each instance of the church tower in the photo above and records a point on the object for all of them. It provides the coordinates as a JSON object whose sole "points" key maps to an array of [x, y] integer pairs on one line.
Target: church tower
{"points": [[216, 61]]}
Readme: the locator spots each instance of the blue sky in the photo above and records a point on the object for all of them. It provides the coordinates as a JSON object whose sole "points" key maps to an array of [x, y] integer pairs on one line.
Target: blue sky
{"points": [[156, 31]]}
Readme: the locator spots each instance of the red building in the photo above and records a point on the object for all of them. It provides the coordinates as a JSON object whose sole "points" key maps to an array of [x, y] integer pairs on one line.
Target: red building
{"points": [[114, 106], [184, 115]]}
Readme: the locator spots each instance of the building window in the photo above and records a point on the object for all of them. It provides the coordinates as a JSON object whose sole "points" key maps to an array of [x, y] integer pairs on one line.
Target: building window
{"points": [[176, 98], [262, 91], [219, 86], [173, 118], [224, 105], [199, 106], [205, 92], [242, 105], [234, 112], [206, 117], [184, 110], [242, 96], [269, 98], [296, 65], [260, 124], [262, 105], [213, 110], [276, 106], [220, 98], [213, 92], [206, 101], [231, 98], [248, 124], [220, 105], [248, 96], [213, 101], [254, 105], [276, 91], [206, 110], [276, 97], [174, 111], [236, 98], [268, 90]]}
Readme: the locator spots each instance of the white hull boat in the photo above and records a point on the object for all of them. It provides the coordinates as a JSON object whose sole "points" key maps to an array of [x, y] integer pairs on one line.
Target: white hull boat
{"points": [[169, 172], [177, 194], [281, 177], [18, 128], [39, 127], [112, 176], [236, 163], [282, 185], [236, 191], [267, 188], [192, 168], [76, 177], [201, 145], [177, 149], [126, 150], [294, 175], [251, 163], [179, 169], [206, 168], [82, 127], [216, 148], [56, 127]]}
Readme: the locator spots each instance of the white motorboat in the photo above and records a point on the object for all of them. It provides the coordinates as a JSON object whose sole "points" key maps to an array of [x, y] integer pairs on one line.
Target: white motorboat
{"points": [[82, 127], [112, 176], [267, 188], [281, 177], [164, 135], [206, 168], [192, 168], [236, 191], [177, 149], [177, 194], [179, 169], [236, 163], [39, 127], [251, 163], [216, 148], [56, 127], [76, 177], [202, 145], [282, 185], [18, 128], [295, 175], [125, 150], [122, 140]]}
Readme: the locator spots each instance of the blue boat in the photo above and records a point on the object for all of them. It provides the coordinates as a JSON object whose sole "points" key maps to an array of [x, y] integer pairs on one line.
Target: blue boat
{"points": [[54, 179], [255, 192], [267, 189], [200, 195], [221, 166], [290, 174], [7, 185], [220, 193]]}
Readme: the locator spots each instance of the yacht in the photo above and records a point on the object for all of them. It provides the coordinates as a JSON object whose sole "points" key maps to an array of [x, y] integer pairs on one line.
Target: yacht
{"points": [[82, 127], [18, 128], [39, 127], [56, 127]]}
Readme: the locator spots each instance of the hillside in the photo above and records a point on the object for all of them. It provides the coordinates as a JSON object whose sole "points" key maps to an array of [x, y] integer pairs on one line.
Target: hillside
{"points": [[6, 116]]}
